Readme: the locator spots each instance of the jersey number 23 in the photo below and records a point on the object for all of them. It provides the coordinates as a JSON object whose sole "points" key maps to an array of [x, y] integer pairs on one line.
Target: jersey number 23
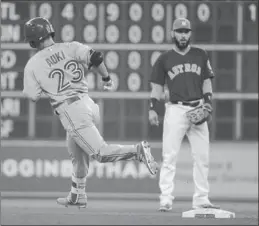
{"points": [[71, 67]]}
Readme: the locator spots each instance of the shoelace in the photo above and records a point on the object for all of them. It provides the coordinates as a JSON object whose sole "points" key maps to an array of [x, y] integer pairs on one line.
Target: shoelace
{"points": [[150, 157]]}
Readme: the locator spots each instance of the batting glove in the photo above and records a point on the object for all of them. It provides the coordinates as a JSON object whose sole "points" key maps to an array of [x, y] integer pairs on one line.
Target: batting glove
{"points": [[107, 83]]}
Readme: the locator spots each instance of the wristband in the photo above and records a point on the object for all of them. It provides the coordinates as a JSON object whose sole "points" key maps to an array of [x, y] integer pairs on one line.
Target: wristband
{"points": [[106, 79], [153, 104], [207, 98]]}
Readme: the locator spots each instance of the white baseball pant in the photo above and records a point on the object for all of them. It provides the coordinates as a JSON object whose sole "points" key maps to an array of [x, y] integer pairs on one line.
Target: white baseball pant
{"points": [[176, 126], [84, 140]]}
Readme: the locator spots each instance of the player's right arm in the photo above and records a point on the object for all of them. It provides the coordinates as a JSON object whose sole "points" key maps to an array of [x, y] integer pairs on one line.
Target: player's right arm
{"points": [[31, 87], [92, 58], [157, 81]]}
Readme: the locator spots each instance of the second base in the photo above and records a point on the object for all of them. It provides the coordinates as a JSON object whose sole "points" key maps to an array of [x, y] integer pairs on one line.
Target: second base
{"points": [[208, 213]]}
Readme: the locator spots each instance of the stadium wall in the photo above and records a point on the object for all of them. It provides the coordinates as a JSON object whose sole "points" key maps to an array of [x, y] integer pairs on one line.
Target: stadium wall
{"points": [[43, 169]]}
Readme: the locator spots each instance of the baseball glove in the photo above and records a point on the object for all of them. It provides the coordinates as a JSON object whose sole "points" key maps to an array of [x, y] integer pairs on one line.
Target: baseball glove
{"points": [[200, 114]]}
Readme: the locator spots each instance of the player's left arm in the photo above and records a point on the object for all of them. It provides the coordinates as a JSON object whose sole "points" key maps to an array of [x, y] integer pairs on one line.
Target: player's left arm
{"points": [[208, 76], [31, 87], [92, 59], [207, 90], [194, 115]]}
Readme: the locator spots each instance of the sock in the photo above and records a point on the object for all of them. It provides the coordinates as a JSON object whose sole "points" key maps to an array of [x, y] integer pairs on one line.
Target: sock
{"points": [[77, 188], [139, 156]]}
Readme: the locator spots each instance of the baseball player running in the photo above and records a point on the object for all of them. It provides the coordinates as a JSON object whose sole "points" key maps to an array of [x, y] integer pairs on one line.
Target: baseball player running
{"points": [[57, 70], [187, 72]]}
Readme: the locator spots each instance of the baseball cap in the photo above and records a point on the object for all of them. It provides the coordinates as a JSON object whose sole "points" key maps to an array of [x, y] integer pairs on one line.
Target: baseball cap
{"points": [[181, 23]]}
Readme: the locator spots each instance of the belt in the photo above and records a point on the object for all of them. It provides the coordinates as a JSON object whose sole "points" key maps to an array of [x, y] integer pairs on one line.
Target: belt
{"points": [[67, 101], [187, 103]]}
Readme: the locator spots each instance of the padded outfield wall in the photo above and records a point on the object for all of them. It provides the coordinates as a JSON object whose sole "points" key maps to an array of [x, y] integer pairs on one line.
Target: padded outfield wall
{"points": [[44, 169]]}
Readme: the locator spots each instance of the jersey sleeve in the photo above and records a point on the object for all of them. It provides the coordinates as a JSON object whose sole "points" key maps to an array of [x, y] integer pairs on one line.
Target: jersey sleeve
{"points": [[158, 74], [82, 53], [208, 72], [31, 87]]}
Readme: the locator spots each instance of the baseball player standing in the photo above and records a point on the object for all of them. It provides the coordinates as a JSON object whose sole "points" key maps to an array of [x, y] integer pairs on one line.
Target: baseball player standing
{"points": [[57, 70], [187, 72]]}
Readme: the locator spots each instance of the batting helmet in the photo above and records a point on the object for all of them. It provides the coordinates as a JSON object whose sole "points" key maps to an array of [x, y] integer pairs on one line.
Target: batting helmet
{"points": [[181, 23], [36, 30]]}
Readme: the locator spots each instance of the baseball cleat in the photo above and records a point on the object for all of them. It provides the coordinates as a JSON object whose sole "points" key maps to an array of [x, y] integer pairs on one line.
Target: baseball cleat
{"points": [[206, 206], [72, 200], [165, 208], [146, 157]]}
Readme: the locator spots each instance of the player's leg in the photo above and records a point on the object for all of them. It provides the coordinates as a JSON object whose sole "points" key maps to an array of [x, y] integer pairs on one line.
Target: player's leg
{"points": [[200, 147], [89, 139], [78, 120], [80, 162], [96, 114], [175, 126]]}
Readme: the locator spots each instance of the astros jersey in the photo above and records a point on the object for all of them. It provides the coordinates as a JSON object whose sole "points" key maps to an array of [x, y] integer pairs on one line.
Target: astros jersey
{"points": [[57, 71], [183, 74]]}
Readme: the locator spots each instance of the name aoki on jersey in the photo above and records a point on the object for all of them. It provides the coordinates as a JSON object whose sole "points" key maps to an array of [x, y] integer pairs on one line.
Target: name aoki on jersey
{"points": [[55, 58], [181, 68]]}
